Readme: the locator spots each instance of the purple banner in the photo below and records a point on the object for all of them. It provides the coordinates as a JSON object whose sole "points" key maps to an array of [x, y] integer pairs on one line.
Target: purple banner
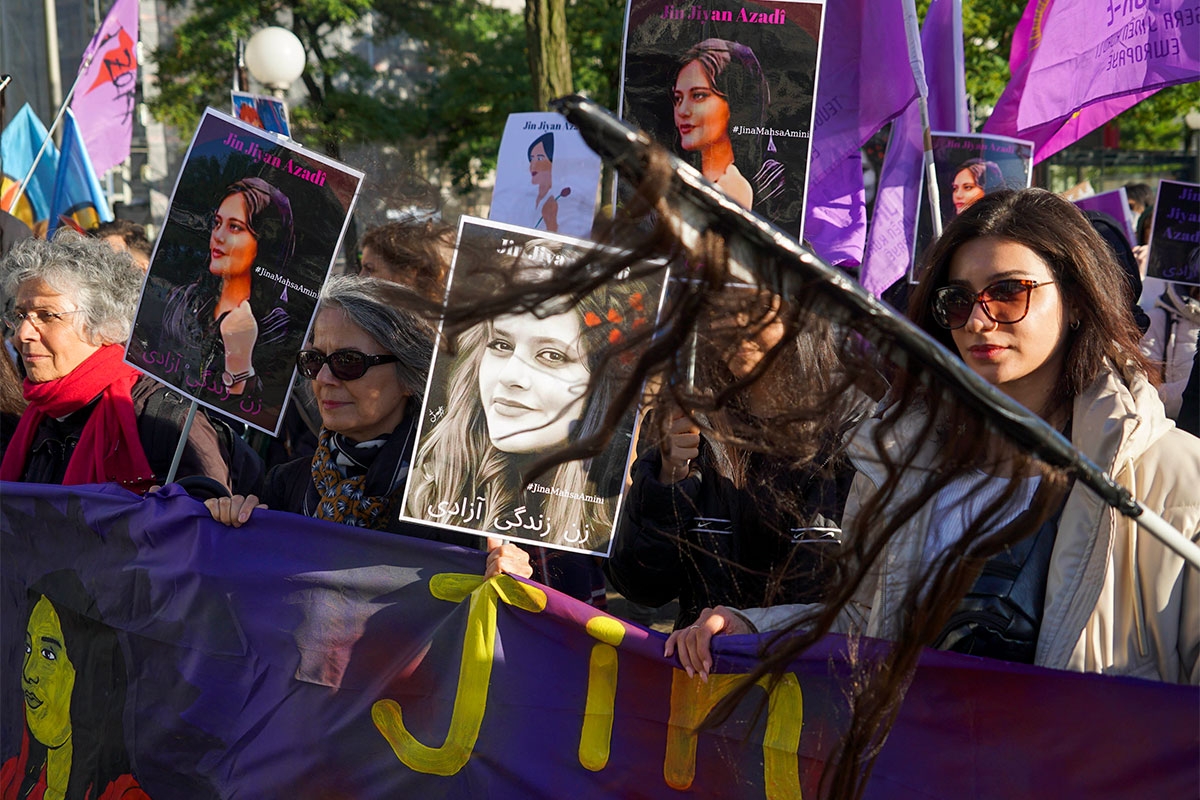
{"points": [[298, 658]]}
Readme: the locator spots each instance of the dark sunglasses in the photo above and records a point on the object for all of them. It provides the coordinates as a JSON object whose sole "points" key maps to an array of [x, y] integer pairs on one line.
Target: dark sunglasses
{"points": [[346, 365], [1003, 302]]}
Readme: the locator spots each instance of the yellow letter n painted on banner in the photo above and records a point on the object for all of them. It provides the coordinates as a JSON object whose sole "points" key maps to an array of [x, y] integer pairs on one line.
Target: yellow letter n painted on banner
{"points": [[692, 699], [474, 672]]}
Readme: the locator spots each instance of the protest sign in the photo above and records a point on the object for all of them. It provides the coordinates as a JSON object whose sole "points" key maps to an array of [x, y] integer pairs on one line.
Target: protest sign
{"points": [[300, 658], [519, 387], [729, 87], [546, 176], [1116, 205], [254, 225], [268, 113], [969, 166], [1175, 233]]}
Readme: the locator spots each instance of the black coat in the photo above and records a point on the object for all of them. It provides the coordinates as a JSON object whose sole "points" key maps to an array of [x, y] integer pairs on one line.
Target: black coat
{"points": [[160, 414], [707, 542], [290, 487]]}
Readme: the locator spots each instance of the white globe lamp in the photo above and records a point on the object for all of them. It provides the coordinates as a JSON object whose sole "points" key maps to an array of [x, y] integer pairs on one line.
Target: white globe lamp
{"points": [[275, 58]]}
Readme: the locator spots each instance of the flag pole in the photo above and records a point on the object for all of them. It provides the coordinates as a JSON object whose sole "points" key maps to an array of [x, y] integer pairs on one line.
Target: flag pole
{"points": [[916, 59], [49, 134]]}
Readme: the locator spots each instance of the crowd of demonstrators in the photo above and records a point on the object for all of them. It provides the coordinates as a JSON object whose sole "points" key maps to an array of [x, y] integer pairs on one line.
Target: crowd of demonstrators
{"points": [[954, 536], [1004, 559], [89, 417], [367, 363], [711, 522]]}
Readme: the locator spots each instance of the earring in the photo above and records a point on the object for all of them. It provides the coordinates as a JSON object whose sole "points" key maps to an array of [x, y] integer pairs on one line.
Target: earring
{"points": [[1075, 325]]}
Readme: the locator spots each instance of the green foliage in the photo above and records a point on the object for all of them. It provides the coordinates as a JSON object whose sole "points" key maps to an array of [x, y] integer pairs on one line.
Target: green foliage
{"points": [[196, 68]]}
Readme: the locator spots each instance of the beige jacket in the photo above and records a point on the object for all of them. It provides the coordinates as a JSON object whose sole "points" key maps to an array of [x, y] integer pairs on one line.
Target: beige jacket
{"points": [[1117, 601]]}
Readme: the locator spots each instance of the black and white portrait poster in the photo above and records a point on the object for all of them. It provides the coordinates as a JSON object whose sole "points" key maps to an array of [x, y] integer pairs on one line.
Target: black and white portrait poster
{"points": [[729, 88], [518, 387], [547, 178], [253, 227], [968, 167], [1175, 234]]}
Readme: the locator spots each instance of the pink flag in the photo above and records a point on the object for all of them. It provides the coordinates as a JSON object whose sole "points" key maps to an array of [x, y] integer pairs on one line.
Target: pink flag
{"points": [[1077, 64], [865, 81], [106, 89], [894, 223]]}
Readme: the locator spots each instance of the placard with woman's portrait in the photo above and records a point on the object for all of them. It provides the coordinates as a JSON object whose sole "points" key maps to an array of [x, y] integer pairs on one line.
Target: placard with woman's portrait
{"points": [[520, 387], [969, 166], [729, 88], [547, 177], [253, 228]]}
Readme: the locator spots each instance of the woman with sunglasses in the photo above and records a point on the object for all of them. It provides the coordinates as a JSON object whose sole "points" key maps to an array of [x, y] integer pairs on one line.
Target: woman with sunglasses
{"points": [[1022, 288], [367, 362]]}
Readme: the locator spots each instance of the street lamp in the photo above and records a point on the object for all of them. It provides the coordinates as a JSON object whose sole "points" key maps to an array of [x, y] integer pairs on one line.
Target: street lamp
{"points": [[275, 58]]}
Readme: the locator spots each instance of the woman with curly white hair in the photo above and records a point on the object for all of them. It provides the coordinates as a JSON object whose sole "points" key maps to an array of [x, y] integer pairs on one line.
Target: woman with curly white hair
{"points": [[91, 418]]}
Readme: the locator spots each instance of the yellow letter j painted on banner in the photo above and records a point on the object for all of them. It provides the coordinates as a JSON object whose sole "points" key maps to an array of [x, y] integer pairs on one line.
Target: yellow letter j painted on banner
{"points": [[474, 672]]}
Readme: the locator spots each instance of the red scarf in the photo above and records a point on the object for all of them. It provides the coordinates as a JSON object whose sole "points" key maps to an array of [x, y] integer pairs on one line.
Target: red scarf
{"points": [[109, 447]]}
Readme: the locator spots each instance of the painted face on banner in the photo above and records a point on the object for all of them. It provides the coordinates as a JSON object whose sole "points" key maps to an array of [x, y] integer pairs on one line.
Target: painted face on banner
{"points": [[965, 190], [540, 167], [232, 247], [532, 379], [47, 678], [701, 115]]}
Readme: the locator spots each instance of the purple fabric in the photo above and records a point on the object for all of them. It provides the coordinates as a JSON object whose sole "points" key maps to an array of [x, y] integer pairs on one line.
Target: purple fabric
{"points": [[76, 188], [258, 660], [861, 44], [897, 200], [1076, 65], [105, 96], [836, 225]]}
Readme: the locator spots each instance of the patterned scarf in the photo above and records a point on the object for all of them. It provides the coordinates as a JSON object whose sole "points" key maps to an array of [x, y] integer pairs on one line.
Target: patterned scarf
{"points": [[339, 470]]}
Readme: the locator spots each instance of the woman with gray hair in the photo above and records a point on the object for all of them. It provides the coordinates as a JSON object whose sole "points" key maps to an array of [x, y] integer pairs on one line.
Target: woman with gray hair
{"points": [[367, 361], [91, 418]]}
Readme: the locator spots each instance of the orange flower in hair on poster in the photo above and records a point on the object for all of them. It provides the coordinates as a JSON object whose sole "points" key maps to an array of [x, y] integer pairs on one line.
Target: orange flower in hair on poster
{"points": [[591, 319]]}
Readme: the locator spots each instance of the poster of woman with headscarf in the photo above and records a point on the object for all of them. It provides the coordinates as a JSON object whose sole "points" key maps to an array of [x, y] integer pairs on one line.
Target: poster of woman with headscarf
{"points": [[546, 176], [729, 87], [252, 230], [520, 387], [970, 166]]}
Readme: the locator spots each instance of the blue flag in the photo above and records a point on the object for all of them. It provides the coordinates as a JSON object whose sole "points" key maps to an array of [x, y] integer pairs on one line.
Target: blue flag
{"points": [[77, 193], [19, 145]]}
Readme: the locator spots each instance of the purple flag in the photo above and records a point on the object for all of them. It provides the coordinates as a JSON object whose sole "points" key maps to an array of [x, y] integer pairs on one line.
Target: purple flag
{"points": [[854, 100], [1077, 65], [894, 223], [105, 92], [77, 192]]}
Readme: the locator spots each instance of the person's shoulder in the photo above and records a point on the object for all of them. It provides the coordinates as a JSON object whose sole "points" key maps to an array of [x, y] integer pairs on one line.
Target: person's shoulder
{"points": [[734, 184]]}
